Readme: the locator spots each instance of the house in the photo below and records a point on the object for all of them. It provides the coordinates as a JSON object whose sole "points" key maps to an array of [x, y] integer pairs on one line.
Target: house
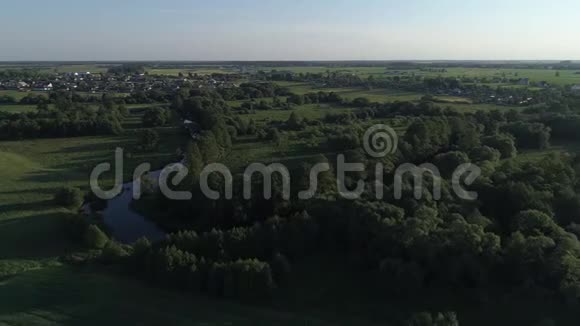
{"points": [[22, 85], [46, 87], [524, 81], [576, 88], [543, 84]]}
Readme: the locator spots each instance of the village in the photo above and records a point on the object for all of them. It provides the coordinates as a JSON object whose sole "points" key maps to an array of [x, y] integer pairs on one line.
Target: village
{"points": [[115, 83]]}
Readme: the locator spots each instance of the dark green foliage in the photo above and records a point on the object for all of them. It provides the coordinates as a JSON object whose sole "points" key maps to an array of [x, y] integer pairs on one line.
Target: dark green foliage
{"points": [[95, 238], [208, 147], [274, 136], [426, 137], [155, 117], [505, 144], [113, 252], [148, 140], [68, 118], [248, 279], [69, 197], [344, 140], [448, 162], [361, 102], [294, 122], [529, 135], [438, 319], [484, 153]]}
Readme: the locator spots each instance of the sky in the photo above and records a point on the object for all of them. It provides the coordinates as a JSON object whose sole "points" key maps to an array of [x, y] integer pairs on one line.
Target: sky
{"points": [[66, 30]]}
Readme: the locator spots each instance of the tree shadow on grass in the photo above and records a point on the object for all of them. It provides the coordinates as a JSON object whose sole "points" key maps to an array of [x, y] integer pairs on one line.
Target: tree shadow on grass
{"points": [[33, 237], [37, 206]]}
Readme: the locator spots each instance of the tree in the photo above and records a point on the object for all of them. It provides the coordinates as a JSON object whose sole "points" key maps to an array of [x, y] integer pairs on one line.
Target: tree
{"points": [[194, 161], [439, 319], [294, 122], [448, 162], [504, 143], [274, 136], [95, 238], [208, 147], [361, 102], [155, 117], [484, 153], [113, 252], [69, 197], [149, 140]]}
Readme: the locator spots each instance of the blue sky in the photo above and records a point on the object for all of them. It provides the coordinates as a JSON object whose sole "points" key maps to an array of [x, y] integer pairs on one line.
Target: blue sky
{"points": [[289, 30]]}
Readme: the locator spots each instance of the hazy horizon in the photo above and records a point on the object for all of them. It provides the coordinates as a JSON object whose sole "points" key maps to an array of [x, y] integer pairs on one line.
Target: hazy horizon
{"points": [[324, 30]]}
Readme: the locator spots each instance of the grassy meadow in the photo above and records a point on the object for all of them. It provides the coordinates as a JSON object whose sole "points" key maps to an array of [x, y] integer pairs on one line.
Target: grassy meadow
{"points": [[32, 170], [201, 70], [535, 75]]}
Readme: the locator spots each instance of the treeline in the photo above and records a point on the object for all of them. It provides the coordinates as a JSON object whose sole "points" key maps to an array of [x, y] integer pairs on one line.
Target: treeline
{"points": [[28, 99], [476, 89], [244, 262], [65, 118], [248, 91]]}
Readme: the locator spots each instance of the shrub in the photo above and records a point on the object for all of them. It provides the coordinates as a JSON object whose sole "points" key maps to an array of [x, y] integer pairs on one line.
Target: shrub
{"points": [[113, 252], [69, 197], [95, 238]]}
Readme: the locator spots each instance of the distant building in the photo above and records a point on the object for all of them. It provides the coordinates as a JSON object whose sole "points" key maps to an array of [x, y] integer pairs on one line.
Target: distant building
{"points": [[22, 85], [524, 81], [576, 88], [46, 87]]}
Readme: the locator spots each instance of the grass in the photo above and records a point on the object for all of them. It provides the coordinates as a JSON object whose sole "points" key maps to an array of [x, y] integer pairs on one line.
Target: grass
{"points": [[32, 170], [310, 111], [556, 147], [535, 75], [383, 96], [17, 108], [58, 68], [18, 95], [375, 95], [194, 70], [65, 296]]}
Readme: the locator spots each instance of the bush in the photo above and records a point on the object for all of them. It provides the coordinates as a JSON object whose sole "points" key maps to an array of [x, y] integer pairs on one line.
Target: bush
{"points": [[69, 197], [148, 140], [95, 238], [113, 252], [156, 117], [427, 319]]}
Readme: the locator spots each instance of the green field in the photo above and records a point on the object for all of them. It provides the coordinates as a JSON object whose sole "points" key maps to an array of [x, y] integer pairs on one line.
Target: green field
{"points": [[386, 95], [18, 95], [310, 111], [59, 68], [17, 108], [31, 171], [193, 70], [535, 75], [375, 95]]}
